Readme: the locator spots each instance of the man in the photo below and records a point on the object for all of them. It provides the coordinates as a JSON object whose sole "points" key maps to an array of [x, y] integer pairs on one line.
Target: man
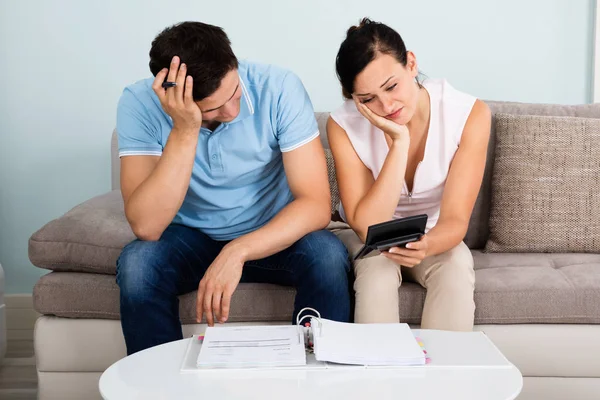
{"points": [[224, 181]]}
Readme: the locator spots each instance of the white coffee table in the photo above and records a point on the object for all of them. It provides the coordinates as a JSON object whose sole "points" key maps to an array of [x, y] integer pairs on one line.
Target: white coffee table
{"points": [[465, 366]]}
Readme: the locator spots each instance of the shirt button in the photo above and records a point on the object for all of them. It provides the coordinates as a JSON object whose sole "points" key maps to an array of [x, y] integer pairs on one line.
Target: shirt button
{"points": [[214, 157]]}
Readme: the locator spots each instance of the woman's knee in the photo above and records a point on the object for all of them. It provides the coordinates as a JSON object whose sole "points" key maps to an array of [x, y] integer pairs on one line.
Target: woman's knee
{"points": [[376, 290], [350, 240], [456, 268], [461, 259], [375, 275]]}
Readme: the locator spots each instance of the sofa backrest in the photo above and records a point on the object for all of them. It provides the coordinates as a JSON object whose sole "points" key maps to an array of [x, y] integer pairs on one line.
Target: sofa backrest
{"points": [[478, 231], [115, 164]]}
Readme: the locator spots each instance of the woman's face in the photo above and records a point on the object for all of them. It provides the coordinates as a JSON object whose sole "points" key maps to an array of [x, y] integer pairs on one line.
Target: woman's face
{"points": [[388, 88]]}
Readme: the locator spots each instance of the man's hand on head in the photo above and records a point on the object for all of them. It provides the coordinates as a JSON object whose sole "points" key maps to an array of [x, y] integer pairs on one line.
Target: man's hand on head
{"points": [[176, 99]]}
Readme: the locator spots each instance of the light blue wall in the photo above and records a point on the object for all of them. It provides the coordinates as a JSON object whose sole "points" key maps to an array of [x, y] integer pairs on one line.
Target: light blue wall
{"points": [[64, 63]]}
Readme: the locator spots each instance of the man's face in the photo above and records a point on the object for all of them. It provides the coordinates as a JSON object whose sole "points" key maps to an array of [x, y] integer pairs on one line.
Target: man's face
{"points": [[224, 104]]}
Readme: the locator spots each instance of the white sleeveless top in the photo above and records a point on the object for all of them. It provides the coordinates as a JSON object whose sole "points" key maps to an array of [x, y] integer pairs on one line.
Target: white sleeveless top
{"points": [[449, 112]]}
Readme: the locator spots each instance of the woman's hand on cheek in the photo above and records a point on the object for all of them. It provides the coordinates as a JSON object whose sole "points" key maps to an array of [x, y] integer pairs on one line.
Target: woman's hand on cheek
{"points": [[394, 130]]}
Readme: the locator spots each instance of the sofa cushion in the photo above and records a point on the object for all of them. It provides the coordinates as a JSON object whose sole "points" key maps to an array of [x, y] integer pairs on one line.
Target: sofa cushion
{"points": [[515, 288], [478, 231], [83, 295], [509, 289], [335, 193], [89, 238], [545, 184]]}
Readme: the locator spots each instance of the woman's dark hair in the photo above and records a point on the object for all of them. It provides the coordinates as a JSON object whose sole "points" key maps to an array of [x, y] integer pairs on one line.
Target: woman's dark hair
{"points": [[205, 49], [361, 46]]}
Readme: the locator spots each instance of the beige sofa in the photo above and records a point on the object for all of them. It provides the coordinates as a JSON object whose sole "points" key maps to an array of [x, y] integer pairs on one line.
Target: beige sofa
{"points": [[538, 308]]}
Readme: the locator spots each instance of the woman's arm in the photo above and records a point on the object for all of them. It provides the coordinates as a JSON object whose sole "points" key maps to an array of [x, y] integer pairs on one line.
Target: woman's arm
{"points": [[366, 201], [463, 182], [462, 186]]}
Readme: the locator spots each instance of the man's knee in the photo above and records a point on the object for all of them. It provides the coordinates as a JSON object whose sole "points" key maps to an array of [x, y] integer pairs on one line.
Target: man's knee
{"points": [[138, 267], [327, 259]]}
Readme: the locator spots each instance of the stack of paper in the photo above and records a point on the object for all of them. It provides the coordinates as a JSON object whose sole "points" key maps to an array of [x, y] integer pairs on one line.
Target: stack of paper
{"points": [[252, 346], [334, 342], [365, 344]]}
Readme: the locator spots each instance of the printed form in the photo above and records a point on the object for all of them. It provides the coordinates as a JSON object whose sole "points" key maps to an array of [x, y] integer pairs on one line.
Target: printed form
{"points": [[252, 346]]}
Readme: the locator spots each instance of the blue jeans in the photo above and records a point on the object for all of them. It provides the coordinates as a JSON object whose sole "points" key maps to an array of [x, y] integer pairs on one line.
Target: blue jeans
{"points": [[151, 274]]}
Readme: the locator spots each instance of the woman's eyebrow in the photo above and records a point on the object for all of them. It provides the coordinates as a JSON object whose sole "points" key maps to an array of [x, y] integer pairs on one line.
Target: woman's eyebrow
{"points": [[382, 85]]}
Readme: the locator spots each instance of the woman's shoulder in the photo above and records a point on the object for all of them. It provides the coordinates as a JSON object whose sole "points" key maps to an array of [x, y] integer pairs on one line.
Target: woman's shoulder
{"points": [[444, 91], [346, 115], [346, 110], [457, 108]]}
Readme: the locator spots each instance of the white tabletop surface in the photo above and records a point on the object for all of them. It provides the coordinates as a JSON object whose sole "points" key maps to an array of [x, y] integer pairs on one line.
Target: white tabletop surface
{"points": [[463, 366]]}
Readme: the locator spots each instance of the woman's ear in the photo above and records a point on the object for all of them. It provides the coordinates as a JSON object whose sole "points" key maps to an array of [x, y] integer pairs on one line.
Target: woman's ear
{"points": [[411, 64]]}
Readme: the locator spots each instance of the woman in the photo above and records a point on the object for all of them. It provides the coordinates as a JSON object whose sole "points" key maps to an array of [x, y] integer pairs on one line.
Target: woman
{"points": [[403, 148]]}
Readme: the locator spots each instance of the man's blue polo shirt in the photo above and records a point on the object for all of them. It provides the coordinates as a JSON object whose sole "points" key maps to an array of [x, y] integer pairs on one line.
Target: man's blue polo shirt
{"points": [[238, 183]]}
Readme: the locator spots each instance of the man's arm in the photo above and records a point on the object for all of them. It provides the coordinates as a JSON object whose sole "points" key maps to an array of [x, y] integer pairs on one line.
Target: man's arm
{"points": [[306, 172], [153, 187]]}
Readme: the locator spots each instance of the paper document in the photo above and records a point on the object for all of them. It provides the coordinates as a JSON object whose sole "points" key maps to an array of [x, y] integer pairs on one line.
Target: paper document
{"points": [[252, 346], [366, 344]]}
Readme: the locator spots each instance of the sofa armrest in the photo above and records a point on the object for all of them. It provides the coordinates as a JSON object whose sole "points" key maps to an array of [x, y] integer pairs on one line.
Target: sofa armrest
{"points": [[88, 238]]}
